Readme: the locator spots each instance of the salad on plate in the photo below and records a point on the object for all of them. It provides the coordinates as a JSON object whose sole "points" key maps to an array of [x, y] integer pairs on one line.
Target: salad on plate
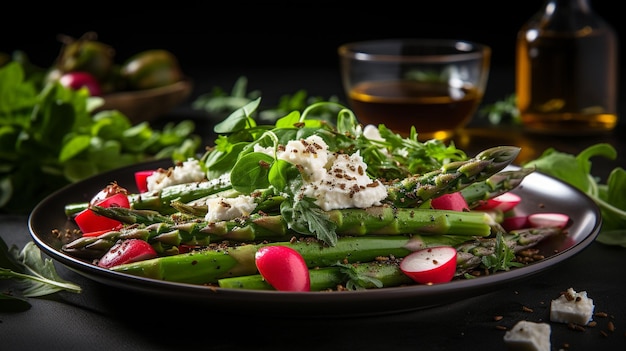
{"points": [[306, 204]]}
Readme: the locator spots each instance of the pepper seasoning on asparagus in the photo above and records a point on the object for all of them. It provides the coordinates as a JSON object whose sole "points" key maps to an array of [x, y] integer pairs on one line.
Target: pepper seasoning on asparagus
{"points": [[386, 273], [213, 265], [382, 220], [451, 177]]}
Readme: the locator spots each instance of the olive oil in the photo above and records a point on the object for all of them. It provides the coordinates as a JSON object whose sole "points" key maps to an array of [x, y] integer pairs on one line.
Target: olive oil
{"points": [[566, 71], [435, 109]]}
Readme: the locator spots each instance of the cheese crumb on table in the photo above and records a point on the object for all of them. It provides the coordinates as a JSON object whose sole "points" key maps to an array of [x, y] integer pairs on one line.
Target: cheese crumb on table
{"points": [[528, 336], [572, 307]]}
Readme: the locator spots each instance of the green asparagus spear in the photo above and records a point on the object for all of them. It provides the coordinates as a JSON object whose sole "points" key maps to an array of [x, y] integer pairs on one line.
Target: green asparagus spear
{"points": [[164, 237], [385, 220], [160, 200], [381, 220], [478, 192], [368, 275], [454, 176], [208, 266], [471, 253], [375, 274]]}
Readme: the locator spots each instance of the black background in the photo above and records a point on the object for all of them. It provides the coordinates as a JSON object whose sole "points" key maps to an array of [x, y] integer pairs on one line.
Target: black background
{"points": [[296, 33]]}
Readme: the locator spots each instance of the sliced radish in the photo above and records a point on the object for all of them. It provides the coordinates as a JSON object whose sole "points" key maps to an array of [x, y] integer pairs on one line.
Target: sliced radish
{"points": [[88, 221], [141, 179], [552, 220], [504, 202], [283, 268], [515, 222], [108, 191], [454, 201], [431, 265], [127, 251]]}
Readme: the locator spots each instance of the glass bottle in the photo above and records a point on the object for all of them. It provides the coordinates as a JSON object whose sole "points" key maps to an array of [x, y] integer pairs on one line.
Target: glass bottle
{"points": [[567, 70]]}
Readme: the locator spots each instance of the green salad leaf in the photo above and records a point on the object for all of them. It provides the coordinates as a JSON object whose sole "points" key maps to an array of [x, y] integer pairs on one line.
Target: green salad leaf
{"points": [[577, 171]]}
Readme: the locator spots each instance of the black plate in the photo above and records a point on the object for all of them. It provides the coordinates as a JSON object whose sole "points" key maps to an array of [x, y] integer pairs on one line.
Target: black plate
{"points": [[540, 193]]}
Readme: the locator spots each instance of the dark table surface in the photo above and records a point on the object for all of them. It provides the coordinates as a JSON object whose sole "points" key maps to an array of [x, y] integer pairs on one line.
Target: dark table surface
{"points": [[108, 318]]}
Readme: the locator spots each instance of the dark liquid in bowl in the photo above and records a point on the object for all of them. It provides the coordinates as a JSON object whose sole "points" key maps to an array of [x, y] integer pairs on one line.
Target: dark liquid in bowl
{"points": [[435, 109]]}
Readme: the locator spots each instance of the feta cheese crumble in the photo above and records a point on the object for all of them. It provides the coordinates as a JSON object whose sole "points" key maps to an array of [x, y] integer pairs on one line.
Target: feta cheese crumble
{"points": [[334, 180], [371, 132], [186, 172], [225, 209], [572, 307], [528, 336]]}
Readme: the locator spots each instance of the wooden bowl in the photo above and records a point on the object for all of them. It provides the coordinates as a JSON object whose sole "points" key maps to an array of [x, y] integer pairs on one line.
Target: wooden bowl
{"points": [[147, 105]]}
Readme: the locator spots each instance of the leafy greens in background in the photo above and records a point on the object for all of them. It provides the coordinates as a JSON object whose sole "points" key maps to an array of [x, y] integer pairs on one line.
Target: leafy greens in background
{"points": [[502, 112], [50, 137], [221, 103]]}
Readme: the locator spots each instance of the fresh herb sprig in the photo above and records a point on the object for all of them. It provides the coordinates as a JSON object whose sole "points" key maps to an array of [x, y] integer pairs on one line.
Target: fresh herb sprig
{"points": [[36, 276], [503, 257]]}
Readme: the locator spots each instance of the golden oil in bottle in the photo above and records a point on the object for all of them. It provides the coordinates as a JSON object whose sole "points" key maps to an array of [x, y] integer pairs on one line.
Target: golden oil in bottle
{"points": [[567, 71]]}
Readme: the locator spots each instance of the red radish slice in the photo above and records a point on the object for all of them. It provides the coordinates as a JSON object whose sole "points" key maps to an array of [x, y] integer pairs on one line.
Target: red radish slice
{"points": [[127, 251], [454, 201], [539, 220], [88, 221], [504, 202], [141, 179], [431, 265], [283, 268], [515, 222], [108, 191]]}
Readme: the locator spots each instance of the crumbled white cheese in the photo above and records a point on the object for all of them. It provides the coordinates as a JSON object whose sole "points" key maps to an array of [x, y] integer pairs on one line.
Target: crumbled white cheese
{"points": [[187, 172], [346, 185], [310, 155], [572, 307], [334, 180], [225, 209], [528, 336], [371, 132]]}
